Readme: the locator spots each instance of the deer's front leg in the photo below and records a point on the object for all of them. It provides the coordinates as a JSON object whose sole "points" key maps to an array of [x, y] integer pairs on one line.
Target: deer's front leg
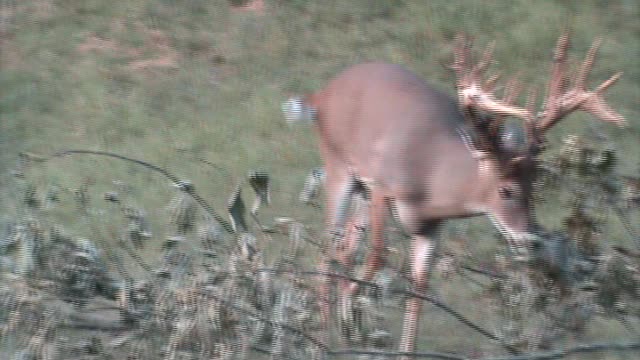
{"points": [[422, 253]]}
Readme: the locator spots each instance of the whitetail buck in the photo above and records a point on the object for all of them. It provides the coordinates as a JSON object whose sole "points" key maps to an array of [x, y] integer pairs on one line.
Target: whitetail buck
{"points": [[429, 158]]}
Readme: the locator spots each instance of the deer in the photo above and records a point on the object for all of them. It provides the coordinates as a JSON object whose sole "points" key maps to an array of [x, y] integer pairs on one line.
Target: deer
{"points": [[426, 157]]}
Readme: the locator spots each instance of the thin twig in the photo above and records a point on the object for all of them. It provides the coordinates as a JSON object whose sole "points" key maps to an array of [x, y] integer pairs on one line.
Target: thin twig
{"points": [[258, 317], [205, 161], [488, 273], [626, 224], [611, 201], [320, 273], [174, 179], [463, 320], [134, 255]]}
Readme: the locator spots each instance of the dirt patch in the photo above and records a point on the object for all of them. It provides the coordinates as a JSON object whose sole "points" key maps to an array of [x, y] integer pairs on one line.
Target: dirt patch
{"points": [[167, 61], [11, 56], [156, 51], [160, 44], [254, 6], [94, 43]]}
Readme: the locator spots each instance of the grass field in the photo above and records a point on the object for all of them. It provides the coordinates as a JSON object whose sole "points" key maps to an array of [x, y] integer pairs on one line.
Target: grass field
{"points": [[195, 87]]}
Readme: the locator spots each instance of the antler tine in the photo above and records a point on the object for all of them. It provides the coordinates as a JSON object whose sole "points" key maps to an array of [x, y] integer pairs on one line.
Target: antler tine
{"points": [[597, 106], [557, 78], [531, 100], [612, 80], [487, 57], [461, 59], [530, 126], [490, 84], [587, 65], [512, 90]]}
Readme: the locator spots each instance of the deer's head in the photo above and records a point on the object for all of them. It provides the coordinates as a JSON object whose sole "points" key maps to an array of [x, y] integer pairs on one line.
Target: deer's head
{"points": [[508, 166]]}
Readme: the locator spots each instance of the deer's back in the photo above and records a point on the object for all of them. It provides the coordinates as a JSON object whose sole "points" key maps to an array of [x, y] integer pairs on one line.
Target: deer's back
{"points": [[375, 117]]}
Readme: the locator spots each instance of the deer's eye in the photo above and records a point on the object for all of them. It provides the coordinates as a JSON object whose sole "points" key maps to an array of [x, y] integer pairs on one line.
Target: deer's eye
{"points": [[506, 192]]}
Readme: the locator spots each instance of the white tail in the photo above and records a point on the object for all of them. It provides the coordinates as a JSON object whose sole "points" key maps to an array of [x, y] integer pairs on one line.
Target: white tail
{"points": [[386, 134], [296, 110]]}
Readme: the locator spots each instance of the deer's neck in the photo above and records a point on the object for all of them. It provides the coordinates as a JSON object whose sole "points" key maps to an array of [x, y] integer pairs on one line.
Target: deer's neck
{"points": [[462, 181]]}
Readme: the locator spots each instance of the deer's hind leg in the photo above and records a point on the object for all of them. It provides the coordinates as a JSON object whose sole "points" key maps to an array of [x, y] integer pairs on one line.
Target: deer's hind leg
{"points": [[347, 220], [375, 258]]}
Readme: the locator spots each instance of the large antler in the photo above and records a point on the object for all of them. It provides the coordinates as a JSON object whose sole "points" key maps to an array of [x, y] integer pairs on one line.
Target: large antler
{"points": [[560, 104], [474, 94]]}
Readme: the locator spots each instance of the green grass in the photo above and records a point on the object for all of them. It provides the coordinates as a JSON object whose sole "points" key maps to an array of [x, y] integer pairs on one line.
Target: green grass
{"points": [[72, 76]]}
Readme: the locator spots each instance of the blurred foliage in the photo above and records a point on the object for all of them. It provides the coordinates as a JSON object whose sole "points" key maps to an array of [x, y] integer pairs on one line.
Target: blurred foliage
{"points": [[225, 294]]}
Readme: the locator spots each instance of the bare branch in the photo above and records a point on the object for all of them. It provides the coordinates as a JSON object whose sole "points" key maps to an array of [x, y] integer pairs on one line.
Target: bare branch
{"points": [[464, 320], [393, 354], [258, 317], [585, 348], [176, 180], [428, 298]]}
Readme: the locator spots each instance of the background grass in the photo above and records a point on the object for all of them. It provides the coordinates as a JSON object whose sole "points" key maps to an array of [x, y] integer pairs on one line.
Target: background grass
{"points": [[171, 82]]}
